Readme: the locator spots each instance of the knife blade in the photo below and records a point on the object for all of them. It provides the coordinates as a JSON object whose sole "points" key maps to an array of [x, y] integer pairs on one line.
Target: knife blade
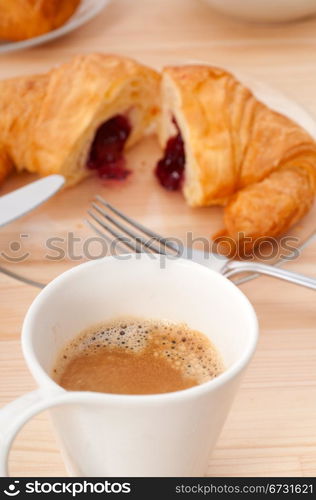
{"points": [[23, 200]]}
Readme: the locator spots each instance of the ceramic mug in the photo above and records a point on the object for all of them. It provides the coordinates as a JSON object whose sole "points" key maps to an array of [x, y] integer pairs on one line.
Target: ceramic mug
{"points": [[169, 434]]}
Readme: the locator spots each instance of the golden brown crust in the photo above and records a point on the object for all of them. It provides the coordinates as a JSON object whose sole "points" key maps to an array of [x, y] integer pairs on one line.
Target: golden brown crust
{"points": [[270, 207], [236, 144], [48, 122], [6, 165], [22, 19]]}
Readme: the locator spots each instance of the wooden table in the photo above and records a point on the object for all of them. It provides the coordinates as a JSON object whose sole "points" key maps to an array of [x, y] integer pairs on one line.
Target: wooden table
{"points": [[271, 430]]}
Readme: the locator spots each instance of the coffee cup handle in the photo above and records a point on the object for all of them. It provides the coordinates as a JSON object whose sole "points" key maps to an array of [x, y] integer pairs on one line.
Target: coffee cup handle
{"points": [[17, 413]]}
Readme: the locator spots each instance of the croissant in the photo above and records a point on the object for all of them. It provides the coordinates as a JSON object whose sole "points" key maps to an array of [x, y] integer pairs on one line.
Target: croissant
{"points": [[76, 118], [224, 147], [21, 19]]}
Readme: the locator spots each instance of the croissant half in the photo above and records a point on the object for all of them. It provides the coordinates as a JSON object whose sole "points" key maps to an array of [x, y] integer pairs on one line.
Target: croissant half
{"points": [[237, 151], [49, 122], [222, 145], [21, 19]]}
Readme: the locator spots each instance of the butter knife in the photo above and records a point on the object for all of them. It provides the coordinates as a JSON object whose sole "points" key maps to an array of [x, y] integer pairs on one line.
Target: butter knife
{"points": [[23, 200]]}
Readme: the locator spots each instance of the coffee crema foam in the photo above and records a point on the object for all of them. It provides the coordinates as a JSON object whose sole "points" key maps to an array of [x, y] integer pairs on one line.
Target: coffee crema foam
{"points": [[171, 350]]}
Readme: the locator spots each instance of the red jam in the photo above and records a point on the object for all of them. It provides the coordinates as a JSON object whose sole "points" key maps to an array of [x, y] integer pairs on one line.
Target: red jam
{"points": [[106, 153], [170, 169]]}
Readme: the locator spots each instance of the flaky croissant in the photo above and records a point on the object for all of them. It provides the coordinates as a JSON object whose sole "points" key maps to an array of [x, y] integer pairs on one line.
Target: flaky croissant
{"points": [[233, 150], [21, 19], [77, 117]]}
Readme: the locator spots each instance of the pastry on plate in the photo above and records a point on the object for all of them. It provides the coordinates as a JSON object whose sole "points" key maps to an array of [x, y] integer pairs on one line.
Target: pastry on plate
{"points": [[22, 19], [77, 118], [224, 147]]}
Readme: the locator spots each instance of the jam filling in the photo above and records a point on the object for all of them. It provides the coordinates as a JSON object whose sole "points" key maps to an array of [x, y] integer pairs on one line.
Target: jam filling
{"points": [[106, 153], [170, 169]]}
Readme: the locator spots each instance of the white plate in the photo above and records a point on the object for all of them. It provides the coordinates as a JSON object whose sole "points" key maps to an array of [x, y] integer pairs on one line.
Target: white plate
{"points": [[86, 11]]}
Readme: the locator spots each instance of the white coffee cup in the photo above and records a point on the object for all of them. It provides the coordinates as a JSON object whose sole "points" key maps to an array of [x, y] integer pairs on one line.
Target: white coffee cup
{"points": [[125, 435], [265, 11]]}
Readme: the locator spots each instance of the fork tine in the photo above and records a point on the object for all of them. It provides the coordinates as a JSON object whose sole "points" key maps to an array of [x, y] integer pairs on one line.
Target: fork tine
{"points": [[126, 230], [137, 225], [102, 234], [134, 247]]}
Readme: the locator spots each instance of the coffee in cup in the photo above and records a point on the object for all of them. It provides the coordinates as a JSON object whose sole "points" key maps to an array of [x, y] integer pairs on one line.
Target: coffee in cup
{"points": [[137, 356]]}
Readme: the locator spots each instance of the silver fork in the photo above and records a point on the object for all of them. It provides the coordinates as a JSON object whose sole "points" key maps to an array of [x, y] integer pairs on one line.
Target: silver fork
{"points": [[126, 232]]}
